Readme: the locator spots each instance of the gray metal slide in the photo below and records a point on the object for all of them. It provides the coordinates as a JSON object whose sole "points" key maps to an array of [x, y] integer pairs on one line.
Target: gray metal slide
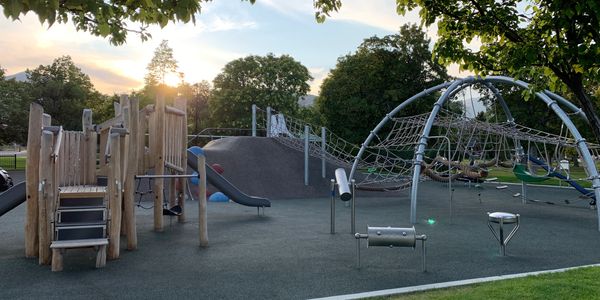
{"points": [[12, 197], [225, 186]]}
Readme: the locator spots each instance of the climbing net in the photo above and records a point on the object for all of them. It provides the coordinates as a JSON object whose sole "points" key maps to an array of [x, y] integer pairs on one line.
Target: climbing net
{"points": [[292, 132], [462, 147], [458, 147]]}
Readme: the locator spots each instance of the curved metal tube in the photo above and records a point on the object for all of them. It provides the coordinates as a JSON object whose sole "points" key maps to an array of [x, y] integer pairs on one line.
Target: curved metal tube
{"points": [[581, 145], [423, 142], [389, 117]]}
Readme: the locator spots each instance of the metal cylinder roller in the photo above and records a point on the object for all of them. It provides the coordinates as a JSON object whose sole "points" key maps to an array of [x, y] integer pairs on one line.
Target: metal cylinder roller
{"points": [[391, 236], [342, 183]]}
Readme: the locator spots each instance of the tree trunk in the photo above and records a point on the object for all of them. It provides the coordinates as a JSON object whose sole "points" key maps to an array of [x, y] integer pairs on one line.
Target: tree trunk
{"points": [[588, 107]]}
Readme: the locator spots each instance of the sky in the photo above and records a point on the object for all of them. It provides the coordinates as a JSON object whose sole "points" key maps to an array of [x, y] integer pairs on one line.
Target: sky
{"points": [[225, 30]]}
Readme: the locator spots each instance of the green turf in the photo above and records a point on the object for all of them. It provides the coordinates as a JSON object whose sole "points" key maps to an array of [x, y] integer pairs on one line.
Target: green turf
{"points": [[507, 175], [8, 163], [574, 284]]}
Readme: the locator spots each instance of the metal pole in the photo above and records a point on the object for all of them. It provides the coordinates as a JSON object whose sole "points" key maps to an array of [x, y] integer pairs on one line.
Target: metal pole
{"points": [[332, 206], [523, 192], [268, 121], [306, 133], [253, 119], [353, 221], [323, 148]]}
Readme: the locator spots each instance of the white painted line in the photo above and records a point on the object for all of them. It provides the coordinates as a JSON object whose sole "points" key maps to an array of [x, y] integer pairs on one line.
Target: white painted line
{"points": [[449, 284]]}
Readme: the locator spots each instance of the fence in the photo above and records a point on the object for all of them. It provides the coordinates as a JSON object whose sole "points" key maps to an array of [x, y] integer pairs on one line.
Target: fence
{"points": [[11, 162]]}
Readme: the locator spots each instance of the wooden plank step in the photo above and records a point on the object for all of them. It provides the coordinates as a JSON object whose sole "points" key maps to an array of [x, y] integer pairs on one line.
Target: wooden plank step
{"points": [[78, 243], [59, 247], [82, 191]]}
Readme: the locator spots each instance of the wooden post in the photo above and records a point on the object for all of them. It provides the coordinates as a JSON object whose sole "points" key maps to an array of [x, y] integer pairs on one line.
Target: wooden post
{"points": [[114, 194], [46, 176], [159, 158], [132, 168], [57, 260], [89, 145], [124, 153], [34, 137], [181, 104], [141, 140], [103, 140], [202, 221]]}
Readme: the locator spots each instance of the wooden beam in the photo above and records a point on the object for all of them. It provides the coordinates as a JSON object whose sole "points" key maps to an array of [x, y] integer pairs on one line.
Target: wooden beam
{"points": [[174, 111], [202, 221], [159, 158], [132, 141], [181, 104], [114, 196], [34, 137], [46, 197]]}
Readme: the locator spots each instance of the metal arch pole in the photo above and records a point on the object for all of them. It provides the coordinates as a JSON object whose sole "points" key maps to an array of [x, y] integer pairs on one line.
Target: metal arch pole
{"points": [[568, 104], [551, 95], [494, 90], [509, 118], [388, 117], [254, 120], [423, 142], [583, 148]]}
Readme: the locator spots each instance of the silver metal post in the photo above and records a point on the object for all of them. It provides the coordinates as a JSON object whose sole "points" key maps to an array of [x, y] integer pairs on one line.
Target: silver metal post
{"points": [[253, 119], [306, 155], [332, 206], [268, 121], [323, 148], [523, 192], [359, 236], [502, 245], [353, 220], [358, 252], [423, 238]]}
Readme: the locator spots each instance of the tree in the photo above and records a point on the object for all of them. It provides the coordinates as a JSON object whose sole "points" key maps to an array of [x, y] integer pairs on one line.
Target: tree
{"points": [[64, 91], [15, 97], [110, 18], [262, 80], [162, 63], [557, 43], [366, 85], [198, 96]]}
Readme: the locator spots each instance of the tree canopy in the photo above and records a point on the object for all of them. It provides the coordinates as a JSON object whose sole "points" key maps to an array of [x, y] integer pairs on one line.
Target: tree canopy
{"points": [[270, 80], [555, 43], [369, 83], [64, 91], [112, 18], [163, 62], [14, 106]]}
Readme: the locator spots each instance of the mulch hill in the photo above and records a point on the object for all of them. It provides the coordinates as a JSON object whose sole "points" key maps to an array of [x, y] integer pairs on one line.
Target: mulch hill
{"points": [[263, 167]]}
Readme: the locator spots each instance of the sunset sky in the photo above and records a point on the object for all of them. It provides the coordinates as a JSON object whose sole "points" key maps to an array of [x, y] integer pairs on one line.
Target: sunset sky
{"points": [[224, 31]]}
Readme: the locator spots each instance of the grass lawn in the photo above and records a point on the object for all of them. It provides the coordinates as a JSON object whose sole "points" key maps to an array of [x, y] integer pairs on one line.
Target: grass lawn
{"points": [[574, 284], [507, 175], [8, 163]]}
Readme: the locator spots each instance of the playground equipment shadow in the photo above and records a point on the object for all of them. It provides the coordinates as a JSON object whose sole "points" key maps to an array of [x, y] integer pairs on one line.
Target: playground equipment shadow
{"points": [[289, 253]]}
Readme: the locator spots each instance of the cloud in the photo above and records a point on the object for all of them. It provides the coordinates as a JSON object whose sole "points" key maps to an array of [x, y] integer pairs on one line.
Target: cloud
{"points": [[318, 74]]}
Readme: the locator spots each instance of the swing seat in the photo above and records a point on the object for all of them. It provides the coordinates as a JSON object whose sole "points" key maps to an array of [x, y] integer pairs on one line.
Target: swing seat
{"points": [[173, 211], [524, 175]]}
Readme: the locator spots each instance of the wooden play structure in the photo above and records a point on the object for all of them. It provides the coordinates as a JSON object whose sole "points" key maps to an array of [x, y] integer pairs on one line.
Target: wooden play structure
{"points": [[81, 184]]}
